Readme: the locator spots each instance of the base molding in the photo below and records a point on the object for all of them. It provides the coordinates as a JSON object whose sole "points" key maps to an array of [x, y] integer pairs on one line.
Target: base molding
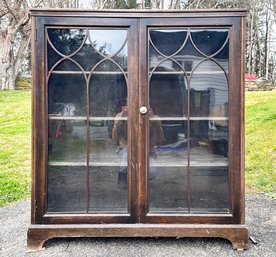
{"points": [[38, 234]]}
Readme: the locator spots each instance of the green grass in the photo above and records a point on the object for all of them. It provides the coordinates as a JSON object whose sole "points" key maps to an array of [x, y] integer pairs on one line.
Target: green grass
{"points": [[260, 154], [15, 144]]}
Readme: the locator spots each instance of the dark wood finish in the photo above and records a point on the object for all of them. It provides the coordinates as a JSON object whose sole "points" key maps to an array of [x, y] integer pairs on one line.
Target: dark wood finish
{"points": [[227, 225], [237, 234]]}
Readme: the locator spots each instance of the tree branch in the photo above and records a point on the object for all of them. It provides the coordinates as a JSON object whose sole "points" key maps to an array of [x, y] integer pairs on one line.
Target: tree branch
{"points": [[37, 4], [3, 13], [104, 4], [216, 4], [191, 4], [9, 9]]}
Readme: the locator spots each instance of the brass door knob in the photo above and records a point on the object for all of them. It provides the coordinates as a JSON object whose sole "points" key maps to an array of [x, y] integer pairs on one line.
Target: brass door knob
{"points": [[143, 109]]}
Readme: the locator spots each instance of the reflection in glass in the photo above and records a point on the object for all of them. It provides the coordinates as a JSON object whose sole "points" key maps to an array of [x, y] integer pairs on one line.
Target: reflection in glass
{"points": [[120, 138], [108, 42], [168, 95], [108, 93], [108, 165], [106, 191], [87, 57], [209, 190], [67, 65], [66, 189], [168, 166], [209, 91], [66, 41], [103, 148], [108, 66], [168, 42], [52, 56], [158, 63], [67, 141], [209, 142], [122, 58], [210, 41], [168, 190], [67, 95], [171, 146], [209, 95]]}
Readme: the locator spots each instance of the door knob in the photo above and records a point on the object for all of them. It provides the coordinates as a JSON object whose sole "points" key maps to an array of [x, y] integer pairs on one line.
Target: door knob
{"points": [[143, 109]]}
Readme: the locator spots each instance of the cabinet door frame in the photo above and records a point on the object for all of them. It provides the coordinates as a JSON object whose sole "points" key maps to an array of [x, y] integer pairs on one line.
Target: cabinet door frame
{"points": [[39, 213], [236, 122]]}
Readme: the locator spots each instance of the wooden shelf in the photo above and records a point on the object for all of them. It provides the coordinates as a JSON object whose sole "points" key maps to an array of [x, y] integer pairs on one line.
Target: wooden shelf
{"points": [[56, 117], [186, 118], [78, 164], [52, 117], [188, 73], [157, 165]]}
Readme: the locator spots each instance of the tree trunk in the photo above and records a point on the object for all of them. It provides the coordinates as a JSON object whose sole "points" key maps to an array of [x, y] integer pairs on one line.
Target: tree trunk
{"points": [[6, 60], [14, 42]]}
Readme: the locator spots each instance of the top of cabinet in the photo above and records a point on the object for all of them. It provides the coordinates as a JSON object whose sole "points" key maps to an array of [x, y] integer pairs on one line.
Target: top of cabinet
{"points": [[131, 13]]}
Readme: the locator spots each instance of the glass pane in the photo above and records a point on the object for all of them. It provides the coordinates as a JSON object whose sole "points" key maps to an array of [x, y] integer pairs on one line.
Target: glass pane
{"points": [[209, 190], [159, 63], [209, 143], [108, 164], [105, 140], [108, 42], [167, 165], [87, 57], [108, 189], [108, 66], [66, 41], [66, 189], [168, 95], [67, 65], [52, 56], [223, 58], [209, 91], [122, 58], [67, 95], [168, 42], [188, 57], [209, 41], [108, 94], [67, 141], [168, 189]]}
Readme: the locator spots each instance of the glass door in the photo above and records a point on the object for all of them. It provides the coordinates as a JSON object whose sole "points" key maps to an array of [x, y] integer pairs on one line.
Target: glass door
{"points": [[187, 124], [88, 78]]}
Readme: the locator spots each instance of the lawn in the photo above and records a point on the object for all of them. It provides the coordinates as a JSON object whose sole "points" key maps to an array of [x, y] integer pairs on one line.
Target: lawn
{"points": [[260, 154], [15, 144]]}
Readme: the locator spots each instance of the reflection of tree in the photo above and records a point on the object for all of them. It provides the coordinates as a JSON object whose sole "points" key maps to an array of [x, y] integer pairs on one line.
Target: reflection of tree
{"points": [[67, 41]]}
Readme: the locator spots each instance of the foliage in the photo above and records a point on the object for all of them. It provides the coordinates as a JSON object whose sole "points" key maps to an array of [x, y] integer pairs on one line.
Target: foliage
{"points": [[15, 145], [22, 83], [261, 142]]}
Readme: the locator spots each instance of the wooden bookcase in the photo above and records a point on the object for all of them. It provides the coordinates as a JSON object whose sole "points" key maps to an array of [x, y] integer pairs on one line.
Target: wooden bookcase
{"points": [[138, 124]]}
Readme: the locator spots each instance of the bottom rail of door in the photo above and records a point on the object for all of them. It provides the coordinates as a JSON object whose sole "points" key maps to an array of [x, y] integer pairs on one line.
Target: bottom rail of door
{"points": [[38, 234]]}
